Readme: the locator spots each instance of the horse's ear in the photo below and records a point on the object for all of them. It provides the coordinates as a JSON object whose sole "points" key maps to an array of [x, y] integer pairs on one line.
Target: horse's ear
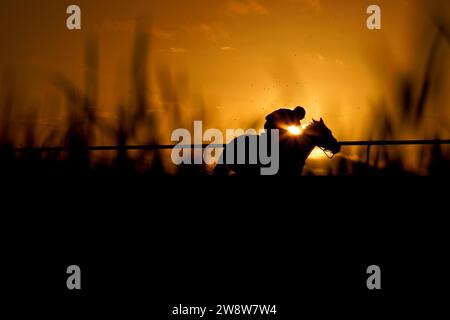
{"points": [[321, 121]]}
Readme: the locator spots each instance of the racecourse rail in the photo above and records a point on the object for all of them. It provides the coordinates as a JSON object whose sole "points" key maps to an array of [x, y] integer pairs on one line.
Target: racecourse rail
{"points": [[368, 144]]}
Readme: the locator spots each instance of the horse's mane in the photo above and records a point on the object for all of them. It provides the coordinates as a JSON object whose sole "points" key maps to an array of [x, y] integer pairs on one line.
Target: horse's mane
{"points": [[310, 125], [314, 126]]}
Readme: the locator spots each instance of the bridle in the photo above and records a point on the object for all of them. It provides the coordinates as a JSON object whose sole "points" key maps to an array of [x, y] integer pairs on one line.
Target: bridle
{"points": [[324, 150]]}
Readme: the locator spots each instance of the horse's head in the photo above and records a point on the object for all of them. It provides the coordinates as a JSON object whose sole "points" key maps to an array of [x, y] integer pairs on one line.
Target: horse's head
{"points": [[321, 136]]}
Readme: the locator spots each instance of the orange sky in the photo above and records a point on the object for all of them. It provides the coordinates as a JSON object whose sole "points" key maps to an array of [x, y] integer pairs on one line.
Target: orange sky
{"points": [[242, 58]]}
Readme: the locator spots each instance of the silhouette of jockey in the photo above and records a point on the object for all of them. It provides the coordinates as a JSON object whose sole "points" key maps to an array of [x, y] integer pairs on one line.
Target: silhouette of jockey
{"points": [[284, 118]]}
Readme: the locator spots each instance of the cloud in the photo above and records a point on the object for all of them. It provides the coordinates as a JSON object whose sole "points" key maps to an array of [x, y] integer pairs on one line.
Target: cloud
{"points": [[339, 62], [226, 48], [177, 50], [116, 25], [129, 26], [315, 4], [206, 31], [161, 34], [246, 7], [319, 57]]}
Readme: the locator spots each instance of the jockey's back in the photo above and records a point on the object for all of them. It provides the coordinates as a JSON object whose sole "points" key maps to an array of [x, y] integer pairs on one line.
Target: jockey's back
{"points": [[282, 118]]}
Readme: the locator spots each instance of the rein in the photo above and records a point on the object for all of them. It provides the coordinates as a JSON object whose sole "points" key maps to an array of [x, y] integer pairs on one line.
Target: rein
{"points": [[325, 152]]}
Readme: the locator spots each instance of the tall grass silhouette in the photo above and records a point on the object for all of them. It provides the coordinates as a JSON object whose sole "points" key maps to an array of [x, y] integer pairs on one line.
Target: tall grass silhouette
{"points": [[136, 121]]}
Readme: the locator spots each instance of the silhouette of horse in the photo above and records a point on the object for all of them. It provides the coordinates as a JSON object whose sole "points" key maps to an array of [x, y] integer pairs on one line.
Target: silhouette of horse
{"points": [[293, 150]]}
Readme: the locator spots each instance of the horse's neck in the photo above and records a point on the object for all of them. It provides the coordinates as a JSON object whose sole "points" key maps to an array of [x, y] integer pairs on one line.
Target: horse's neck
{"points": [[308, 146]]}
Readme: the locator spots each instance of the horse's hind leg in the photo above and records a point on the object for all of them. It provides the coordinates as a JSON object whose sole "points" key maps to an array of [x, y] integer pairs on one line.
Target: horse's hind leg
{"points": [[221, 170]]}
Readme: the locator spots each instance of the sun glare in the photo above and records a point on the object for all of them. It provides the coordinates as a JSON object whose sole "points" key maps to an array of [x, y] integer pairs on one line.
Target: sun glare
{"points": [[294, 130]]}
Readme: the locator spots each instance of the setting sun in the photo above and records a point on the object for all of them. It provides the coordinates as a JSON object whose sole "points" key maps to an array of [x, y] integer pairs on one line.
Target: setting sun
{"points": [[294, 130]]}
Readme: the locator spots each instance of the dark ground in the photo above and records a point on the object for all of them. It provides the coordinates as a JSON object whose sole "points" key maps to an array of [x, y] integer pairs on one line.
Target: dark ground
{"points": [[303, 244]]}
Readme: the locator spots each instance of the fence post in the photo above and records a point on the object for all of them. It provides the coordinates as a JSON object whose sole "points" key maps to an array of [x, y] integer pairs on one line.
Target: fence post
{"points": [[368, 156]]}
